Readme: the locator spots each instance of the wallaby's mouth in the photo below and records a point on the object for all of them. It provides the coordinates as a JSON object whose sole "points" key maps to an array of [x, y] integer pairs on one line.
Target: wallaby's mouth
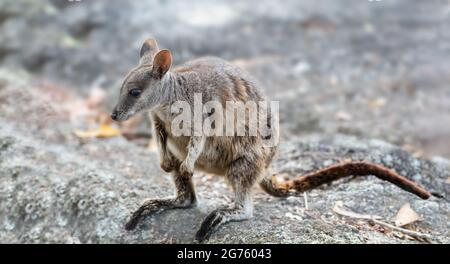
{"points": [[119, 116]]}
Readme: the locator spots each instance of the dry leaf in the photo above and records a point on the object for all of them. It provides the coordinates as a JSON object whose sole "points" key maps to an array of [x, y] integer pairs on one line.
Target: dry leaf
{"points": [[406, 215], [381, 226], [378, 102], [104, 131]]}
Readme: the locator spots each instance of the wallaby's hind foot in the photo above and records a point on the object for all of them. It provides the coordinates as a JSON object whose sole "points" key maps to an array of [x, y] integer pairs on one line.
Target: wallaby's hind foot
{"points": [[241, 175], [217, 218], [154, 206]]}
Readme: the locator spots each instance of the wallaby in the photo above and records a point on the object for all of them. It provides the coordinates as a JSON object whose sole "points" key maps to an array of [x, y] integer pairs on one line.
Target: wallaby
{"points": [[242, 160]]}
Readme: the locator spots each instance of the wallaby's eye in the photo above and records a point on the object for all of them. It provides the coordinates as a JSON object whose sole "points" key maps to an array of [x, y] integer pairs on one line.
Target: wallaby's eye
{"points": [[135, 92]]}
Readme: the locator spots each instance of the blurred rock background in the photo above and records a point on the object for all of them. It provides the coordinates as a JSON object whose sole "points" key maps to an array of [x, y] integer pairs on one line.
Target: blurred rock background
{"points": [[353, 78]]}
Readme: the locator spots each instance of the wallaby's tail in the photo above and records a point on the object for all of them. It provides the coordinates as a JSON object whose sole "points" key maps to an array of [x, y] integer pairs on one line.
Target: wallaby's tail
{"points": [[314, 179]]}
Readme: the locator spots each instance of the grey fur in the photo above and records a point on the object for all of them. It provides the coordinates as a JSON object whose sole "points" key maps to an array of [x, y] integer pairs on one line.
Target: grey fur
{"points": [[241, 159]]}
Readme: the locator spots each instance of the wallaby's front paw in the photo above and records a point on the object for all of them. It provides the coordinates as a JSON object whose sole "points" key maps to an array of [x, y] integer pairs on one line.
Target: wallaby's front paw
{"points": [[186, 170], [167, 166]]}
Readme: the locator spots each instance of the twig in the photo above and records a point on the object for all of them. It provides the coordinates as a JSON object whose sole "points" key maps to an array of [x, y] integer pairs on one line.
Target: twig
{"points": [[339, 209], [403, 230], [305, 197]]}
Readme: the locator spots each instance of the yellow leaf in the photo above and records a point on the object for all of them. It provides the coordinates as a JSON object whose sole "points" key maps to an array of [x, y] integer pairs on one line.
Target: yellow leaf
{"points": [[406, 215], [108, 131], [104, 131], [378, 102]]}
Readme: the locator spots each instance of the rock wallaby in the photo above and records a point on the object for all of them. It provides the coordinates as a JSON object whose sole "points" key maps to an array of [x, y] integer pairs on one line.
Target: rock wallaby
{"points": [[242, 160]]}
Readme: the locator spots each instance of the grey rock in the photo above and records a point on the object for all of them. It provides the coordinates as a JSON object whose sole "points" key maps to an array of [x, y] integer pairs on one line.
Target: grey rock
{"points": [[383, 67], [55, 188]]}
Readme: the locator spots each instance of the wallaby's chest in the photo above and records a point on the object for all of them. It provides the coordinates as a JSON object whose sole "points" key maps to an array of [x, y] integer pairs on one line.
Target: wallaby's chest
{"points": [[176, 145], [215, 155]]}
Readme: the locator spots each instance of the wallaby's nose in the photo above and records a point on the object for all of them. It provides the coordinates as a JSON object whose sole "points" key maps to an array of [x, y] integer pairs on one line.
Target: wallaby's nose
{"points": [[114, 115]]}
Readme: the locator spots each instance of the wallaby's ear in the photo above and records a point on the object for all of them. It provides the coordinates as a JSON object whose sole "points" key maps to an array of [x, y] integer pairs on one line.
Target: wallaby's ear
{"points": [[162, 62], [148, 50]]}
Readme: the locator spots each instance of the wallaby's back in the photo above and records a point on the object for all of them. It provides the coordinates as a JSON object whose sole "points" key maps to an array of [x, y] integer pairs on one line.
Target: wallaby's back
{"points": [[218, 80]]}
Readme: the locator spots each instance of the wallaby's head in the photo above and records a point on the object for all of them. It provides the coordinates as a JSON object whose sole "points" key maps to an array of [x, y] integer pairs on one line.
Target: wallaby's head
{"points": [[142, 86]]}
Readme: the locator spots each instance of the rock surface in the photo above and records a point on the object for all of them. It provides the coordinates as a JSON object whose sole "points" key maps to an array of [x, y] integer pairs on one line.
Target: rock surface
{"points": [[56, 188], [349, 80]]}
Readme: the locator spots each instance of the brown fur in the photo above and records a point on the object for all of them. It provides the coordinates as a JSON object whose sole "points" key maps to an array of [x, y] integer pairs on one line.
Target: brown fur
{"points": [[242, 160]]}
